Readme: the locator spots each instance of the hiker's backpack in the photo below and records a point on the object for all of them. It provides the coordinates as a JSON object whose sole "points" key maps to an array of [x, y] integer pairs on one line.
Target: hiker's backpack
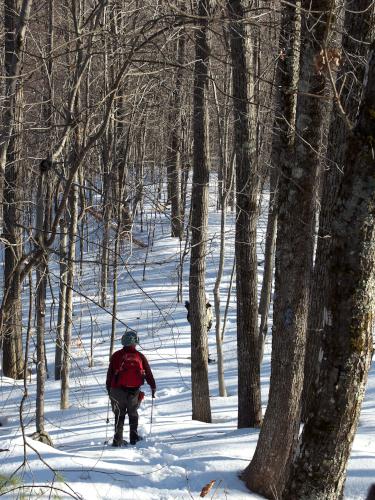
{"points": [[131, 372]]}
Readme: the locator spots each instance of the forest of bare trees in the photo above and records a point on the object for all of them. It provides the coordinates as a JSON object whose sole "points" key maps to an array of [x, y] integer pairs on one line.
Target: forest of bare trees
{"points": [[109, 106]]}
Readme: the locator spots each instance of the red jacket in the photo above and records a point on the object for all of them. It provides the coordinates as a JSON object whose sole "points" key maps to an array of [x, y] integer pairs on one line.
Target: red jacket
{"points": [[115, 363]]}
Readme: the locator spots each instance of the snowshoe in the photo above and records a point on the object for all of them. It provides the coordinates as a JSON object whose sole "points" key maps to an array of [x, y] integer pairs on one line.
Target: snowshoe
{"points": [[211, 361]]}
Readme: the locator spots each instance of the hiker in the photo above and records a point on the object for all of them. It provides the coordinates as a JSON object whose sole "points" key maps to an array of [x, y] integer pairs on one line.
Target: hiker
{"points": [[127, 371], [208, 320]]}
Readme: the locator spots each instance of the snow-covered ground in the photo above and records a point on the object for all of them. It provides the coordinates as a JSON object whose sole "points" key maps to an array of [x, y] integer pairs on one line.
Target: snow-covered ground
{"points": [[178, 456]]}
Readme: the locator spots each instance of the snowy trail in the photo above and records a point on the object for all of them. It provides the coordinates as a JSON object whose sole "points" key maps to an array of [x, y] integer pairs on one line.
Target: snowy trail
{"points": [[179, 456], [175, 461]]}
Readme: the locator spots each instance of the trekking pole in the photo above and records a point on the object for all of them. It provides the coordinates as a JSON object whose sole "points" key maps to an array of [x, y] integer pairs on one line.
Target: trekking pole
{"points": [[152, 411], [107, 420]]}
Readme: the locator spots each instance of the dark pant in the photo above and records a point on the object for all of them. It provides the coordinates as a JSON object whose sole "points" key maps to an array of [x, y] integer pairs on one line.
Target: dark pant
{"points": [[124, 401]]}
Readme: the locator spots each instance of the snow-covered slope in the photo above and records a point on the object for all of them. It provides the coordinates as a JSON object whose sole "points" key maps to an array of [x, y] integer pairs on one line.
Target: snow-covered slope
{"points": [[178, 456]]}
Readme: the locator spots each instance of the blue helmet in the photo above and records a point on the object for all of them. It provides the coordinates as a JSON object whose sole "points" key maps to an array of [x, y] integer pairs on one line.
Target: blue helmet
{"points": [[129, 338]]}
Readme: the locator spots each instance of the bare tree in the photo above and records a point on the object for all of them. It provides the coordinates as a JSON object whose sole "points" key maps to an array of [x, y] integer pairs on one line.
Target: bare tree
{"points": [[269, 259], [359, 18], [247, 179], [199, 221], [319, 468], [174, 148], [62, 299], [42, 223], [268, 469], [75, 148], [219, 327], [16, 18], [70, 274]]}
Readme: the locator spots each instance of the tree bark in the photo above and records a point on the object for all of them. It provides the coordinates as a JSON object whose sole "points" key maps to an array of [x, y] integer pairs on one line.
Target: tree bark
{"points": [[107, 160], [42, 223], [219, 340], [319, 467], [66, 364], [268, 469], [269, 260], [174, 150], [249, 397], [14, 44], [16, 17], [199, 222], [76, 148], [359, 19], [62, 300], [116, 251], [107, 213]]}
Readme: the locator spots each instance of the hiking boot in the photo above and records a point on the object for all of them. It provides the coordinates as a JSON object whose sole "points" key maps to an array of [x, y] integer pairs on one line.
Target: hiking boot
{"points": [[134, 437], [119, 431], [119, 443]]}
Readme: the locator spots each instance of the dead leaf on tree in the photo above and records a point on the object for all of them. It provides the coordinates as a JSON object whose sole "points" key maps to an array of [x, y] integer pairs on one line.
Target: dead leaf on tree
{"points": [[329, 58]]}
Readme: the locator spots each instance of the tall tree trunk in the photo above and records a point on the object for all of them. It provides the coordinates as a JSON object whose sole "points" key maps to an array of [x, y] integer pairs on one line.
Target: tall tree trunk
{"points": [[43, 222], [174, 151], [269, 259], [319, 468], [12, 320], [15, 33], [66, 364], [42, 227], [225, 180], [249, 397], [285, 79], [185, 164], [76, 145], [107, 213], [119, 191], [62, 299], [124, 222], [16, 17], [223, 195], [359, 19], [199, 221], [222, 125], [107, 159], [268, 469], [139, 172], [116, 251]]}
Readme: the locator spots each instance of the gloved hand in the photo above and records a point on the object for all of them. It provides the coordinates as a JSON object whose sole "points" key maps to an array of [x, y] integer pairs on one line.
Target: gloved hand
{"points": [[153, 393]]}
